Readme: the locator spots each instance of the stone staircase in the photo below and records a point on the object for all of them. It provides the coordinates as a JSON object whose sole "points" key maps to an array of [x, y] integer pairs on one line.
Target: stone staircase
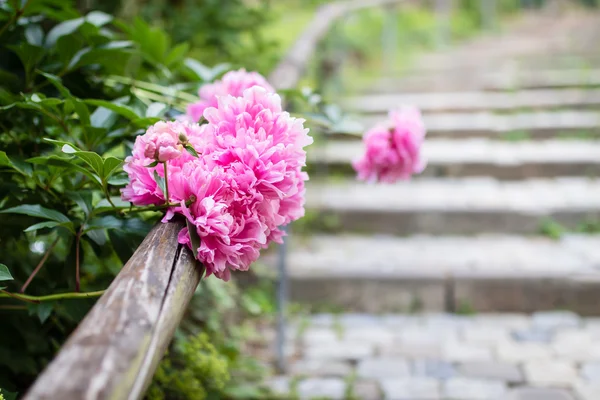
{"points": [[422, 269]]}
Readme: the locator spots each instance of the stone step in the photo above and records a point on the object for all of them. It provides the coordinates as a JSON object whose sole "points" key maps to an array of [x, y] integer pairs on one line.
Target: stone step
{"points": [[478, 157], [455, 206], [532, 125], [507, 79], [476, 101], [380, 273], [442, 356]]}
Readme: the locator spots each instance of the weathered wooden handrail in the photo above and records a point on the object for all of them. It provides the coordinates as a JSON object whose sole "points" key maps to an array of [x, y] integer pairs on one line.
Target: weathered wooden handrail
{"points": [[115, 350], [291, 68]]}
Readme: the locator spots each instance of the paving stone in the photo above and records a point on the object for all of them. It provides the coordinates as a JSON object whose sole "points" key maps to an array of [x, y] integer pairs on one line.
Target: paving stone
{"points": [[550, 373], [436, 369], [445, 322], [367, 390], [411, 389], [319, 335], [431, 334], [492, 370], [587, 390], [486, 335], [533, 335], [552, 320], [358, 320], [473, 389], [320, 368], [576, 345], [377, 335], [279, 384], [413, 349], [322, 320], [591, 371], [462, 352], [530, 393], [508, 321], [521, 352], [322, 387], [341, 350], [383, 367]]}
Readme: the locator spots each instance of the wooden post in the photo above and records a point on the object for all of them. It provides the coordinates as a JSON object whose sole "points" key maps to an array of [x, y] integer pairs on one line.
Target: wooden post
{"points": [[115, 350]]}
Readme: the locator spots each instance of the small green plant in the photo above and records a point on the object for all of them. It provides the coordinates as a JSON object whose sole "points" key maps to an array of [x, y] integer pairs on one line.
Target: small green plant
{"points": [[350, 381], [591, 226], [516, 136], [338, 328], [551, 228], [416, 305], [193, 370], [465, 308]]}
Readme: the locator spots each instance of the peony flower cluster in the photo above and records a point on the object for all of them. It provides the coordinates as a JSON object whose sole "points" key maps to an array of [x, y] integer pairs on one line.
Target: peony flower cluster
{"points": [[233, 83], [245, 184], [393, 153]]}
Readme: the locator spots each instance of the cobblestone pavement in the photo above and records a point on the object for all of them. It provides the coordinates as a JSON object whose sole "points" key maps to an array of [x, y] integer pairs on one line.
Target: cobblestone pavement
{"points": [[545, 356]]}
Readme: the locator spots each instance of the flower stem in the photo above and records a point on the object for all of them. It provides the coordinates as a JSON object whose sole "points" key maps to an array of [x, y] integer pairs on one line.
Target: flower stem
{"points": [[50, 297], [166, 184], [77, 239], [39, 266]]}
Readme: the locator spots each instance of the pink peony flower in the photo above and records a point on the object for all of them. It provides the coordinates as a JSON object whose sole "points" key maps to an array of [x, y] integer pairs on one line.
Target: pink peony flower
{"points": [[142, 188], [247, 182], [233, 83], [393, 154], [252, 172]]}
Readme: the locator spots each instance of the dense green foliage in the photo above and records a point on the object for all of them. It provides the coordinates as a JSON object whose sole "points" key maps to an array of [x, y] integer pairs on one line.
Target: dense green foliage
{"points": [[93, 83]]}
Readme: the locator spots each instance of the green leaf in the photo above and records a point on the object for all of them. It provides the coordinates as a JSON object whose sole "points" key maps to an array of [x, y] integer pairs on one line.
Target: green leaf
{"points": [[120, 109], [29, 54], [34, 35], [42, 225], [160, 181], [102, 118], [5, 273], [110, 166], [104, 205], [89, 157], [98, 236], [18, 165], [118, 181], [42, 310], [156, 110], [57, 83], [83, 199], [9, 395], [66, 163], [63, 29], [203, 72], [152, 164], [35, 210], [194, 238], [98, 18], [108, 222], [177, 54], [190, 149], [61, 143]]}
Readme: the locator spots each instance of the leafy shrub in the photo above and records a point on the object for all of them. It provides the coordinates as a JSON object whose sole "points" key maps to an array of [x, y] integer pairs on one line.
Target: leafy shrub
{"points": [[93, 82]]}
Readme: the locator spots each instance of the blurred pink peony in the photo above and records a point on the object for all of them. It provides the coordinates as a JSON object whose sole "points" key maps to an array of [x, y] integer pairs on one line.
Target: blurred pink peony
{"points": [[394, 153], [233, 83]]}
